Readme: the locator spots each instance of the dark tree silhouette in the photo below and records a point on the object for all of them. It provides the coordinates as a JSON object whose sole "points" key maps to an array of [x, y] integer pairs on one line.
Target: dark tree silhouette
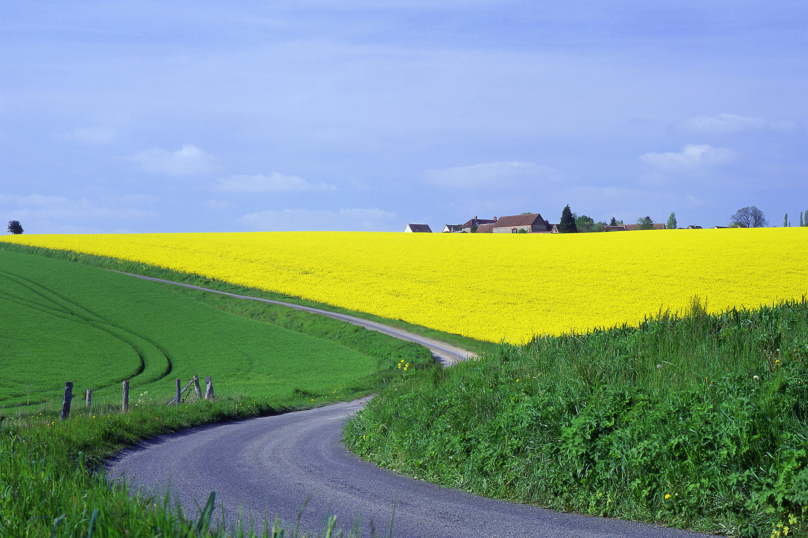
{"points": [[14, 227], [645, 223], [567, 224], [749, 217]]}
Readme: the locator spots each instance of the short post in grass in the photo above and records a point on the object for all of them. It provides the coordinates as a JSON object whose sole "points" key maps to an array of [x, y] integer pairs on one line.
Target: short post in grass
{"points": [[179, 393], [208, 388], [66, 401], [125, 396], [89, 399], [197, 388]]}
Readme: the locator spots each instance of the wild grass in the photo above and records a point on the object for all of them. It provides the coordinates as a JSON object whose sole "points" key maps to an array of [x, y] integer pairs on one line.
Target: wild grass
{"points": [[698, 421], [52, 482]]}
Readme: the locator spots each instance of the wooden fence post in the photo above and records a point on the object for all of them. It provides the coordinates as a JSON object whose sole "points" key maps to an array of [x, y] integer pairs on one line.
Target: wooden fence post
{"points": [[66, 401], [197, 388], [208, 388], [125, 397], [89, 398], [179, 392]]}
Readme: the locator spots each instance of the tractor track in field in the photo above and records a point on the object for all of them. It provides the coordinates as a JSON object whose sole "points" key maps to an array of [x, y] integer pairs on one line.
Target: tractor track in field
{"points": [[274, 466]]}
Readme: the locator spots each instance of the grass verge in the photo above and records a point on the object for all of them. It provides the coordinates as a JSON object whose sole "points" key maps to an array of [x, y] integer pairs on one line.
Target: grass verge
{"points": [[48, 487], [698, 422]]}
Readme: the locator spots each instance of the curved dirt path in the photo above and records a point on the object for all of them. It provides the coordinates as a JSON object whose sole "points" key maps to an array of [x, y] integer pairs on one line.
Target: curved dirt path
{"points": [[444, 353], [271, 466]]}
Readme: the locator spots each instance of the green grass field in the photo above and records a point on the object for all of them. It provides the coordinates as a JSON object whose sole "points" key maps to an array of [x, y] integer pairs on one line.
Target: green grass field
{"points": [[63, 321]]}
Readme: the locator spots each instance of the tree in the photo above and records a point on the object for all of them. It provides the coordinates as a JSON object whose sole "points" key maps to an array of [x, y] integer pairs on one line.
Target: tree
{"points": [[671, 225], [567, 224], [14, 227], [645, 223], [801, 223], [584, 223], [749, 217], [613, 222], [785, 222]]}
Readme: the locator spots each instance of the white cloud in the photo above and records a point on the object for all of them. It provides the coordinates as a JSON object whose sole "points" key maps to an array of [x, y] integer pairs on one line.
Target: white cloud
{"points": [[495, 174], [691, 156], [88, 135], [731, 123], [306, 220], [274, 182], [37, 206], [187, 161]]}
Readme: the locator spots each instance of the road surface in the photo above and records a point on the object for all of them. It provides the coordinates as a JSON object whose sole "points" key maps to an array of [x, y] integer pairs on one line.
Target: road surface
{"points": [[273, 466]]}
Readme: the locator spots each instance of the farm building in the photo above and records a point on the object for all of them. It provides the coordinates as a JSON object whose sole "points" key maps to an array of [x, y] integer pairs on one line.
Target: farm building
{"points": [[452, 228], [531, 223], [630, 227], [476, 223], [418, 228]]}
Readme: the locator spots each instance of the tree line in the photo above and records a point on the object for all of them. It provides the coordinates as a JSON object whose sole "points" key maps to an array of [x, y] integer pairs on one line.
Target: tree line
{"points": [[746, 217]]}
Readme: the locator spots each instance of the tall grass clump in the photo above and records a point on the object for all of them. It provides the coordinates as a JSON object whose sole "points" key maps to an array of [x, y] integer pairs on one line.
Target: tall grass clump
{"points": [[693, 420]]}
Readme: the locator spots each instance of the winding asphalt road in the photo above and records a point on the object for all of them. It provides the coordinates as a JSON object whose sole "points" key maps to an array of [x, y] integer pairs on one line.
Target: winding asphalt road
{"points": [[272, 466]]}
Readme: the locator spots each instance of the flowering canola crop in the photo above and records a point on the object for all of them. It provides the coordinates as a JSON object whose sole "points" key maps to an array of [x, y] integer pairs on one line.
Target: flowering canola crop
{"points": [[488, 286]]}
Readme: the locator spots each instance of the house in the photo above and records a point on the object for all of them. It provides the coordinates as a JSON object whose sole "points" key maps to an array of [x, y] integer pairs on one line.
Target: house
{"points": [[616, 228], [692, 227], [719, 227], [418, 228], [485, 228], [530, 223], [476, 223], [452, 228], [630, 227]]}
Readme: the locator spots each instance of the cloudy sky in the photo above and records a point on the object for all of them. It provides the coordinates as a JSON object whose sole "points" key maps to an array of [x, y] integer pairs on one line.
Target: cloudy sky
{"points": [[200, 116]]}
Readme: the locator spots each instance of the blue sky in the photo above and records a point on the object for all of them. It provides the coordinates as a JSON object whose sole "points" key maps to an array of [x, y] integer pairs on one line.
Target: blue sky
{"points": [[366, 115]]}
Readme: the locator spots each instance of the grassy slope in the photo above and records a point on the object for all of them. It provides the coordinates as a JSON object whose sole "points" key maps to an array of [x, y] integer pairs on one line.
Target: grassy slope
{"points": [[121, 320], [463, 342], [53, 311], [699, 422]]}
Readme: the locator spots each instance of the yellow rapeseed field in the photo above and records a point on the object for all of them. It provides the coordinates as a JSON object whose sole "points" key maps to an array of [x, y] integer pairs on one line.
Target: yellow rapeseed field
{"points": [[488, 286]]}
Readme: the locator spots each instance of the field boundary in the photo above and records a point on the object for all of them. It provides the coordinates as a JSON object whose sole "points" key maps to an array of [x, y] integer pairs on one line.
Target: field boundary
{"points": [[445, 354]]}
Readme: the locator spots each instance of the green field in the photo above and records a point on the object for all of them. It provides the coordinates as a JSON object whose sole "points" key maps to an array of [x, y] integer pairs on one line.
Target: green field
{"points": [[62, 321]]}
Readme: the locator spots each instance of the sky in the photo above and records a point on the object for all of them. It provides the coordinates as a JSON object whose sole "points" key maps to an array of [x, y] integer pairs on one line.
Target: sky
{"points": [[201, 116]]}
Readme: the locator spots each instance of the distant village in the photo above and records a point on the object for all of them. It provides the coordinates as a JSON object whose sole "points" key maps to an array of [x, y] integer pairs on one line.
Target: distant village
{"points": [[531, 223]]}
